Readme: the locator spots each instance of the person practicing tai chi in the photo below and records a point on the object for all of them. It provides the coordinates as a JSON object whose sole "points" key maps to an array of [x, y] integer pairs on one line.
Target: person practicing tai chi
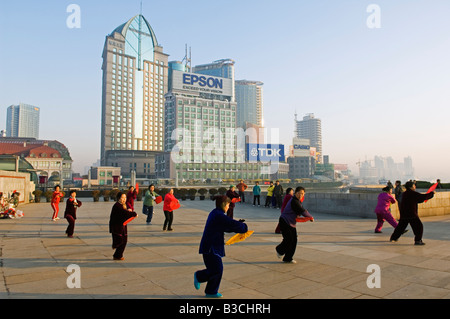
{"points": [[118, 228], [212, 246], [70, 213], [56, 198], [288, 220], [383, 210], [409, 213]]}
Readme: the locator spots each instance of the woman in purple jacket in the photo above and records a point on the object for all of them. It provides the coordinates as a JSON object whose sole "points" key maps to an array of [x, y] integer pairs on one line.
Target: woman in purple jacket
{"points": [[288, 222], [383, 209]]}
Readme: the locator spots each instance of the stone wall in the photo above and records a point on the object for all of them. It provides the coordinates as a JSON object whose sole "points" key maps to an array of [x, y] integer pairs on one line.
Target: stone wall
{"points": [[10, 181], [363, 204]]}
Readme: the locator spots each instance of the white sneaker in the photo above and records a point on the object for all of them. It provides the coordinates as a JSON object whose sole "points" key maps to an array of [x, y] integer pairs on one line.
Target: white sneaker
{"points": [[290, 262]]}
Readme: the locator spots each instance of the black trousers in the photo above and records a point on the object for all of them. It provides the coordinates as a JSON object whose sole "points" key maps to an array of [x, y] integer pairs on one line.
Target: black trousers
{"points": [[268, 201], [289, 243], [119, 244], [212, 274], [416, 225], [169, 219], [254, 199], [279, 200], [71, 226], [242, 196]]}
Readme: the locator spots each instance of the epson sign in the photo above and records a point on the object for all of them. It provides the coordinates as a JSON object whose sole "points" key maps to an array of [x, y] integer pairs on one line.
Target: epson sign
{"points": [[265, 153], [211, 82], [200, 83]]}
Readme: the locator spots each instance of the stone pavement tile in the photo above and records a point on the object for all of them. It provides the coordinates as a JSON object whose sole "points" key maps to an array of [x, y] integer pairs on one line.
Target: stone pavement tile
{"points": [[261, 279], [388, 286], [293, 288], [35, 274], [356, 279], [243, 293], [417, 275], [137, 288], [435, 264], [330, 292], [403, 259], [399, 271], [332, 277], [433, 278], [418, 291], [47, 285]]}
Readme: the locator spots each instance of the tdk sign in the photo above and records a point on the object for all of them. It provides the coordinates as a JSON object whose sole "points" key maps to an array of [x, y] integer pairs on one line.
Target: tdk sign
{"points": [[203, 81], [265, 153]]}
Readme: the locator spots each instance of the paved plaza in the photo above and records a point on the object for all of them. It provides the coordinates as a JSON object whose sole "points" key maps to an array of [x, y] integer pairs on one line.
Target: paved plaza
{"points": [[333, 256]]}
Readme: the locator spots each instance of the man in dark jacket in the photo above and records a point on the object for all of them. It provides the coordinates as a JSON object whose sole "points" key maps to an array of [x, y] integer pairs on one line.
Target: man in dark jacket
{"points": [[212, 246], [278, 193], [409, 213]]}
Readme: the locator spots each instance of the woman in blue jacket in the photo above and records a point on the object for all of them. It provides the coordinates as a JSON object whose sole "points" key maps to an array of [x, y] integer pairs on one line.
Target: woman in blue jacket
{"points": [[212, 246]]}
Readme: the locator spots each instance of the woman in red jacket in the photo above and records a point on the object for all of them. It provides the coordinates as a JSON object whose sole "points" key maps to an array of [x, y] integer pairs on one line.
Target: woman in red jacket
{"points": [[56, 198], [131, 197], [169, 206]]}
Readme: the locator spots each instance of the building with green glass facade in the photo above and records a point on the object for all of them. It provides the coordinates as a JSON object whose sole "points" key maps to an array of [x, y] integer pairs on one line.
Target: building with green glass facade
{"points": [[202, 140]]}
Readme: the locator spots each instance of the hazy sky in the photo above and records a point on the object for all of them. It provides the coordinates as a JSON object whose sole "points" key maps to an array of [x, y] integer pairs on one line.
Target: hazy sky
{"points": [[378, 91]]}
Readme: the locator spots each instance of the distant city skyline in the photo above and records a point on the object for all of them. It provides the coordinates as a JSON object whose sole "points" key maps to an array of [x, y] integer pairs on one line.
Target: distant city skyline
{"points": [[379, 91]]}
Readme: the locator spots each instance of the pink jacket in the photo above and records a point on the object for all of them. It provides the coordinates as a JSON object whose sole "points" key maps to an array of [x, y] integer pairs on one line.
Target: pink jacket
{"points": [[384, 202]]}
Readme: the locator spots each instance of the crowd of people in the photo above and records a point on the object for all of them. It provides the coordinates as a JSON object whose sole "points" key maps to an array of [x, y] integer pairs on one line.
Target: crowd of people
{"points": [[221, 220]]}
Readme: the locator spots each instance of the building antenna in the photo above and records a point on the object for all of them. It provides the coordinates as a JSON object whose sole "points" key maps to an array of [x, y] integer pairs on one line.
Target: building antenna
{"points": [[187, 58], [140, 40]]}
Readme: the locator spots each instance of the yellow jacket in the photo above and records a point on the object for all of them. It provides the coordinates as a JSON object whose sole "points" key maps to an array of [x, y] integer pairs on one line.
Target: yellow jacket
{"points": [[270, 190]]}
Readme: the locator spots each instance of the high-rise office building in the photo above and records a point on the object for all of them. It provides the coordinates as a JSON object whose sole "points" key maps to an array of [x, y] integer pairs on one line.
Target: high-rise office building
{"points": [[135, 73], [22, 121], [310, 128], [200, 133], [223, 68], [249, 99]]}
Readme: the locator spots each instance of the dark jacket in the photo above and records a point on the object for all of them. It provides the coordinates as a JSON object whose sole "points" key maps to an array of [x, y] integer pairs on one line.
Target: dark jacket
{"points": [[232, 195], [118, 216], [213, 239], [71, 207], [131, 197], [294, 209], [409, 203], [278, 190]]}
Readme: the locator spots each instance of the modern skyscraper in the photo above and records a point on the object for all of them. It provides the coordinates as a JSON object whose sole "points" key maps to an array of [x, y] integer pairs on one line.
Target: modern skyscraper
{"points": [[22, 121], [223, 68], [134, 83], [311, 128], [201, 137], [249, 98]]}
